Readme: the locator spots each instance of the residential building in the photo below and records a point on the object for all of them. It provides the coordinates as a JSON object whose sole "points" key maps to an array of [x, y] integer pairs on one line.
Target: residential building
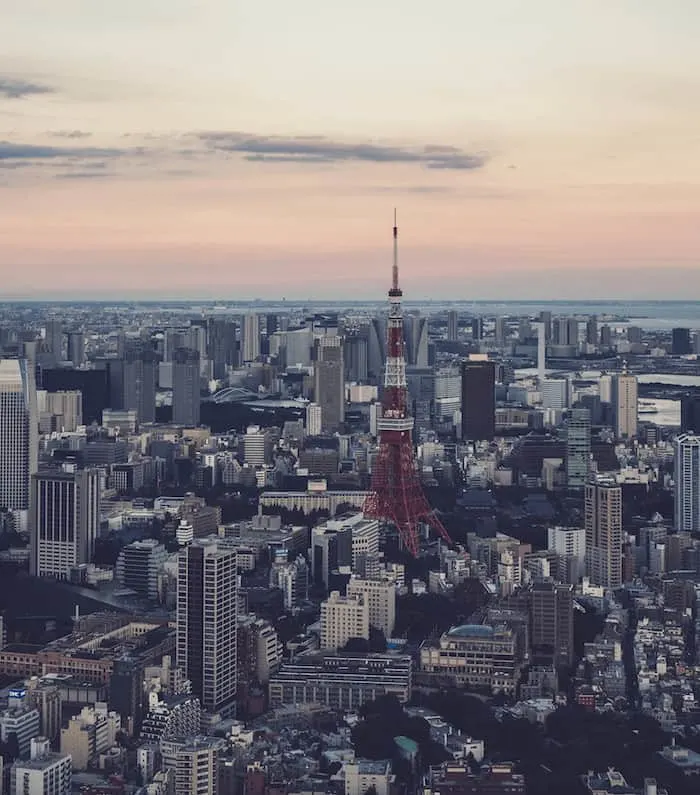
{"points": [[578, 448], [380, 596], [207, 604], [342, 618], [624, 400], [603, 520], [686, 476]]}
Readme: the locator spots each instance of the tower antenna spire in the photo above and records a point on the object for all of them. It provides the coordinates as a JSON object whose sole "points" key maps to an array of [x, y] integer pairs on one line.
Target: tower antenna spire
{"points": [[395, 267]]}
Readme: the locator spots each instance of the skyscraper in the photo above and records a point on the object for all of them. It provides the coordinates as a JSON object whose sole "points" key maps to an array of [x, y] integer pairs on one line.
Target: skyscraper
{"points": [[76, 348], [53, 339], [329, 382], [139, 378], [578, 448], [19, 445], [186, 387], [221, 345], [592, 330], [680, 341], [250, 338], [452, 328], [603, 518], [415, 331], [686, 459], [624, 400], [207, 600], [552, 623], [65, 520], [478, 400]]}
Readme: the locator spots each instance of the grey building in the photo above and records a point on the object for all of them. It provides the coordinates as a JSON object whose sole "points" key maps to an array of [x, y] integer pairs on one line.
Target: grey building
{"points": [[186, 400], [578, 448]]}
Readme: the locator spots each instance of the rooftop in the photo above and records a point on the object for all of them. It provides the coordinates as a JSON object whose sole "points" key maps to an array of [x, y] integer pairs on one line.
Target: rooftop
{"points": [[471, 631]]}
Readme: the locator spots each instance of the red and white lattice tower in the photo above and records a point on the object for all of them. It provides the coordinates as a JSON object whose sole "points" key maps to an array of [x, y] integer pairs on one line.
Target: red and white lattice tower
{"points": [[397, 495]]}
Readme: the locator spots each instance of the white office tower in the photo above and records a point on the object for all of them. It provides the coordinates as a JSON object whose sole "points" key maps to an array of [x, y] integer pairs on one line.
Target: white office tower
{"points": [[67, 408], [313, 419], [65, 519], [603, 519], [624, 401], [541, 352], [44, 773], [380, 596], [250, 338], [555, 393], [686, 460], [207, 605], [342, 618], [19, 443]]}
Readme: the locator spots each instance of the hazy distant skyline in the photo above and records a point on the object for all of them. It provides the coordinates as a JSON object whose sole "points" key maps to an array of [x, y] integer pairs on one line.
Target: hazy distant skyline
{"points": [[535, 150]]}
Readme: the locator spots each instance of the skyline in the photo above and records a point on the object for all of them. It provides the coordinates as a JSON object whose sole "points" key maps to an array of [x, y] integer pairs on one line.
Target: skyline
{"points": [[267, 146]]}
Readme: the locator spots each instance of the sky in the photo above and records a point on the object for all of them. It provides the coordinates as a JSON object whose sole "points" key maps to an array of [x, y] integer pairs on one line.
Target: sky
{"points": [[256, 148]]}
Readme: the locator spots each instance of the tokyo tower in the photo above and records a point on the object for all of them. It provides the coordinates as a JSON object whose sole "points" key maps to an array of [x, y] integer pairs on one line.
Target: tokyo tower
{"points": [[397, 495]]}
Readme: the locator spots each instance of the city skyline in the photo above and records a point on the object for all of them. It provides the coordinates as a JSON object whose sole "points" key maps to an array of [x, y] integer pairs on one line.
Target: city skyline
{"points": [[545, 151]]}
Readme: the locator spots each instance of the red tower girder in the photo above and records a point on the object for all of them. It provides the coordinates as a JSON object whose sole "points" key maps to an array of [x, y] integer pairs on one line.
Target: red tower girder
{"points": [[397, 494]]}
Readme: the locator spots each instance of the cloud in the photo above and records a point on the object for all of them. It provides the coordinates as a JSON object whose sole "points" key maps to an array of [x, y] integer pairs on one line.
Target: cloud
{"points": [[17, 88], [320, 150], [13, 152], [69, 134]]}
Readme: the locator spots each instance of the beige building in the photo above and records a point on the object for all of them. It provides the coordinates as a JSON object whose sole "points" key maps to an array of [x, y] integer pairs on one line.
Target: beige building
{"points": [[380, 596], [603, 520], [89, 734], [624, 401], [366, 774], [194, 761], [342, 618]]}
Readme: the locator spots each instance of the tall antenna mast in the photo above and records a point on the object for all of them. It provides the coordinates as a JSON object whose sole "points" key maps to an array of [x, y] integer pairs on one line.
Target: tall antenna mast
{"points": [[395, 268]]}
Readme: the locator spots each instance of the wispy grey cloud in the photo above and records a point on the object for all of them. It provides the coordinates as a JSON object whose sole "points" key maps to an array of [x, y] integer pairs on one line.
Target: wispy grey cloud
{"points": [[18, 88], [69, 134], [14, 151], [319, 150]]}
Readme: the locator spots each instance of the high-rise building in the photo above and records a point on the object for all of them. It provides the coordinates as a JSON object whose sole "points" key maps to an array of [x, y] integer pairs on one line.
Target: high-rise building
{"points": [[690, 414], [250, 338], [603, 519], [314, 419], [552, 623], [592, 330], [221, 345], [452, 325], [66, 409], [380, 596], [65, 520], [139, 378], [138, 567], [19, 445], [76, 348], [207, 605], [53, 339], [416, 337], [329, 382], [500, 331], [624, 401], [342, 618], [680, 342], [478, 400], [186, 387], [578, 448], [555, 393], [477, 329], [686, 459]]}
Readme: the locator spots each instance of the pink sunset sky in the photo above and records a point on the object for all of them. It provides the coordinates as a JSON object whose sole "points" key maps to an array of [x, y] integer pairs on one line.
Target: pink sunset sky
{"points": [[256, 148]]}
